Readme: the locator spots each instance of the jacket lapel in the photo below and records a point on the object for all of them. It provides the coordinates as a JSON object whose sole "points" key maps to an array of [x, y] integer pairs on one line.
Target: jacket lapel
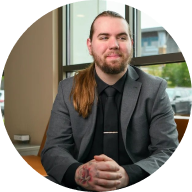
{"points": [[129, 100]]}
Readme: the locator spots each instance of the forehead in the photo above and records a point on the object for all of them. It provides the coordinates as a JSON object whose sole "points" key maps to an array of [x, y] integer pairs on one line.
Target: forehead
{"points": [[109, 25]]}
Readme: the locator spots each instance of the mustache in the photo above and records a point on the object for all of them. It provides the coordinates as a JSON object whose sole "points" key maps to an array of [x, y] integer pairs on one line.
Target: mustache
{"points": [[113, 53]]}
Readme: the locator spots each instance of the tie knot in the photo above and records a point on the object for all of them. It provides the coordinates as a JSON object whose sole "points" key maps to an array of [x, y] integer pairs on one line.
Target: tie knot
{"points": [[110, 91]]}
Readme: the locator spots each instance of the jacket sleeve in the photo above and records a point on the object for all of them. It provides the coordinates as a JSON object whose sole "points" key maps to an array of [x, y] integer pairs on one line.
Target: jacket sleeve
{"points": [[58, 152], [162, 131]]}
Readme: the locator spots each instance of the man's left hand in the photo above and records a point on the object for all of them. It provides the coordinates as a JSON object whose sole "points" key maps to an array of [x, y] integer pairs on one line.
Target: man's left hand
{"points": [[124, 179]]}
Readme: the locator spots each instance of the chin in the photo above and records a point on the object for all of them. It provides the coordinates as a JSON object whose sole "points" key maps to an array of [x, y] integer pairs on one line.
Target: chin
{"points": [[113, 68]]}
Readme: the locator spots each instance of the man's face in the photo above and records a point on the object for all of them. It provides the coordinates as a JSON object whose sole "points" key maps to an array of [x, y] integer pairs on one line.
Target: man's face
{"points": [[111, 46]]}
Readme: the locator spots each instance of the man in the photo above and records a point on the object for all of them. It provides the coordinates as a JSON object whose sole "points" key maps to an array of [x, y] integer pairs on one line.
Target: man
{"points": [[101, 142]]}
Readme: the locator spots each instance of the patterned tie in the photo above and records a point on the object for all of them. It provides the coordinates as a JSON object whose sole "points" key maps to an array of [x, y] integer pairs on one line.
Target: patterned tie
{"points": [[110, 142]]}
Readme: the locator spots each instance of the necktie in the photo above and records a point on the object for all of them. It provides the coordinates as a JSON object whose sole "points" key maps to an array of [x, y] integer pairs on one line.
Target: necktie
{"points": [[110, 139]]}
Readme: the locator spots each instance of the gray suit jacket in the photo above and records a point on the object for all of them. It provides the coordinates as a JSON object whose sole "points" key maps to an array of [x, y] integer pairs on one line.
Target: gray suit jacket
{"points": [[147, 123]]}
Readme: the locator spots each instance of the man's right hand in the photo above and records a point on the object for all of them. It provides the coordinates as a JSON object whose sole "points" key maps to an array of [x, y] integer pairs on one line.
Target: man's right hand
{"points": [[98, 176]]}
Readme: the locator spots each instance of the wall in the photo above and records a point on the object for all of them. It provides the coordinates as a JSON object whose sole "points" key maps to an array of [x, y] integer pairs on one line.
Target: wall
{"points": [[31, 83]]}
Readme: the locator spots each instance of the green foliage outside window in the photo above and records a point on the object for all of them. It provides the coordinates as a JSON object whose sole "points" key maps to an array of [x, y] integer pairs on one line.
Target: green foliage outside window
{"points": [[176, 74]]}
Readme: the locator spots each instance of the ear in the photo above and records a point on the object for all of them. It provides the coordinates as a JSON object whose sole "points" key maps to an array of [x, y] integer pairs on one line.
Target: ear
{"points": [[132, 42], [89, 46]]}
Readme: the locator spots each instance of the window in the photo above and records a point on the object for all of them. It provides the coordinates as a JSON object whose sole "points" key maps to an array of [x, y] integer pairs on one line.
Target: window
{"points": [[178, 85], [80, 17], [155, 51], [155, 39]]}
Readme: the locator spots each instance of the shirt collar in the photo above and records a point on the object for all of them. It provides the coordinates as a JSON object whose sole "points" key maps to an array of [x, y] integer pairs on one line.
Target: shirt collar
{"points": [[101, 85]]}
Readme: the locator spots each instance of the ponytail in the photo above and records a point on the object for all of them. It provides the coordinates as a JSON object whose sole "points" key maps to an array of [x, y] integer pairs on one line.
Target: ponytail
{"points": [[83, 91]]}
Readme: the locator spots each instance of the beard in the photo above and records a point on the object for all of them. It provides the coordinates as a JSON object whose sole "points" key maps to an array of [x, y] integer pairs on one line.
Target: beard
{"points": [[115, 66]]}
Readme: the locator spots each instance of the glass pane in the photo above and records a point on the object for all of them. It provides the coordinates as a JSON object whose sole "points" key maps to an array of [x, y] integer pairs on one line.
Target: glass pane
{"points": [[178, 85], [155, 39], [70, 74], [116, 6], [81, 18]]}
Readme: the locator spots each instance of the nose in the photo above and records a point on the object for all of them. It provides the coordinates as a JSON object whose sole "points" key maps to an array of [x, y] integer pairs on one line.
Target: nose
{"points": [[113, 43]]}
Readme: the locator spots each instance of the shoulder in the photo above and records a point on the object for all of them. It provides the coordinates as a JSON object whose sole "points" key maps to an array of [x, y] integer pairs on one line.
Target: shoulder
{"points": [[66, 85]]}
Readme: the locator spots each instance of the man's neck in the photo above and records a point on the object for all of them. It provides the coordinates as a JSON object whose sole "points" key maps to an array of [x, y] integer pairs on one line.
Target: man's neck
{"points": [[110, 79]]}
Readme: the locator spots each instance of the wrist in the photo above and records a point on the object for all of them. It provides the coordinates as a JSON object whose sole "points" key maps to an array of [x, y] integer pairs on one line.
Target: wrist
{"points": [[69, 176], [76, 175]]}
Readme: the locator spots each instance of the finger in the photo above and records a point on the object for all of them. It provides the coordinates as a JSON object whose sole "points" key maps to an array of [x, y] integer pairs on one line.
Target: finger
{"points": [[104, 166], [108, 183], [103, 189], [102, 158], [98, 158], [108, 175]]}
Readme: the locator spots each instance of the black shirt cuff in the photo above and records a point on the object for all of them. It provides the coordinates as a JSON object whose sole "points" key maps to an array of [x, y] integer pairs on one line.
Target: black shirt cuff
{"points": [[135, 173], [69, 177]]}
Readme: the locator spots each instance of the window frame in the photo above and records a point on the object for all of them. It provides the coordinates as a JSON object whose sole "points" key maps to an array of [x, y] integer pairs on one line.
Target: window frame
{"points": [[133, 17]]}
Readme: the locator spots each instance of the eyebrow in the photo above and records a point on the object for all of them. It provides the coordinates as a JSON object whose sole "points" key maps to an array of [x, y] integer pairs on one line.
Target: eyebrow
{"points": [[120, 34], [107, 34]]}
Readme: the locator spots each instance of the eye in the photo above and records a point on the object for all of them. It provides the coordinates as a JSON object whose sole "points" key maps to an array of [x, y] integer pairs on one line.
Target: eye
{"points": [[103, 38], [123, 38]]}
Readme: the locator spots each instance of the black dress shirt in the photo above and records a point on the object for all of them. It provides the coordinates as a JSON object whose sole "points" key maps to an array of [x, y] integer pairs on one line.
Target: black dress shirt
{"points": [[134, 172]]}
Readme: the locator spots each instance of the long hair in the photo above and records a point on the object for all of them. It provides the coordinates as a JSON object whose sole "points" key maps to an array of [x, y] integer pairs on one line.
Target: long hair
{"points": [[83, 90]]}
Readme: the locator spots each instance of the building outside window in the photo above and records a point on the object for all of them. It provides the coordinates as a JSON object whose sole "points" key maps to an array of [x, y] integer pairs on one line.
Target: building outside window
{"points": [[156, 40]]}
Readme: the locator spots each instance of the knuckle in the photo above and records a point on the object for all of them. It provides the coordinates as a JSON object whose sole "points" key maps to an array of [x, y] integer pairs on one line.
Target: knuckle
{"points": [[116, 176], [105, 183], [95, 182], [97, 174], [108, 176]]}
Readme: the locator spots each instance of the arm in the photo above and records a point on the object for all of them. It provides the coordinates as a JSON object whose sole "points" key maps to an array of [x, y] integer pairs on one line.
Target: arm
{"points": [[58, 152], [135, 173], [162, 131]]}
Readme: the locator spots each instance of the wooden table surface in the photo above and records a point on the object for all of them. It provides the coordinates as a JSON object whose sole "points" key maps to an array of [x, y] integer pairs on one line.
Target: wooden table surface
{"points": [[35, 163]]}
